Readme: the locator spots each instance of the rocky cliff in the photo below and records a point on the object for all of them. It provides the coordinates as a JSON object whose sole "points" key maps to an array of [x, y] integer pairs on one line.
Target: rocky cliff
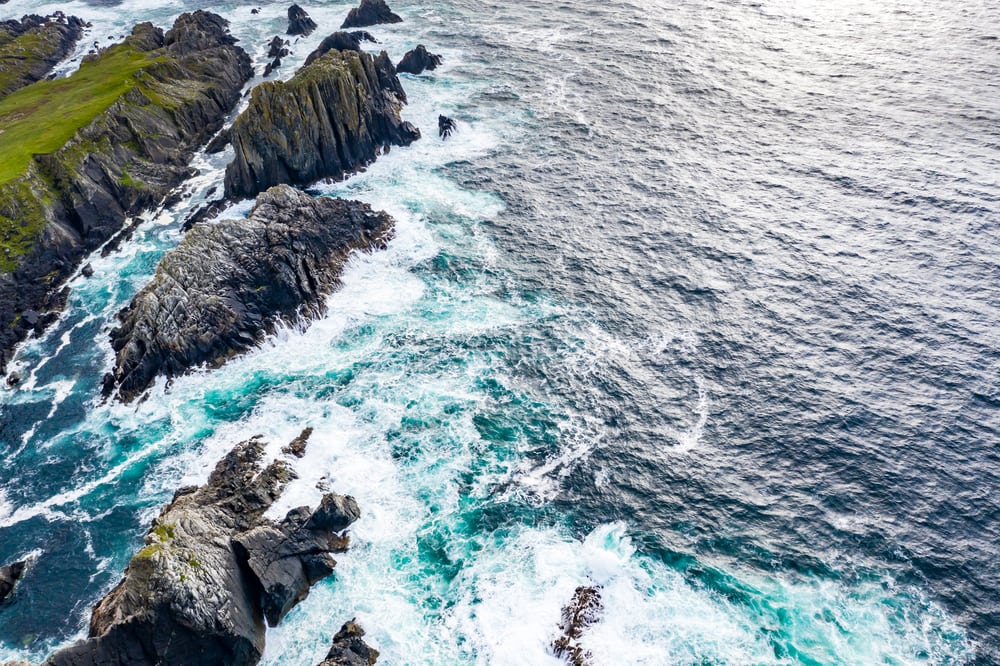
{"points": [[213, 570], [31, 47], [128, 123], [335, 116], [229, 282]]}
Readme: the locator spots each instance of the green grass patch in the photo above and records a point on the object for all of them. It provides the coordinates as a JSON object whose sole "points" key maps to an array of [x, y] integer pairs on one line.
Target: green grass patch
{"points": [[42, 117]]}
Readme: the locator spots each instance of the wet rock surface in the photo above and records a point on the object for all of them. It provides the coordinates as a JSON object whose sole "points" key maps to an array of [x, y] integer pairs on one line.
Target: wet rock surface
{"points": [[213, 569], [9, 575], [228, 283], [125, 161], [446, 127]]}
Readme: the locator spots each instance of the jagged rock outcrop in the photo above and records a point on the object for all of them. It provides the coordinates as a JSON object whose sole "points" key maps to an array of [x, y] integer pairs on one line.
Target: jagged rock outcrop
{"points": [[583, 611], [417, 60], [31, 47], [299, 22], [213, 569], [332, 118], [370, 12], [278, 48], [227, 283], [446, 126], [271, 66], [178, 89], [9, 575], [341, 41], [218, 142], [349, 648]]}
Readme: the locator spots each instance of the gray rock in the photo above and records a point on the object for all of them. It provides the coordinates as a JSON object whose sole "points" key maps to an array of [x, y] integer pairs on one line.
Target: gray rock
{"points": [[335, 116], [370, 12], [299, 22], [228, 283], [349, 649], [417, 60], [213, 568]]}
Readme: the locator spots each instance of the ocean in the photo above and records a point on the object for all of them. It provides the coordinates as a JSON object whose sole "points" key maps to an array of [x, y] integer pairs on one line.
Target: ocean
{"points": [[701, 305]]}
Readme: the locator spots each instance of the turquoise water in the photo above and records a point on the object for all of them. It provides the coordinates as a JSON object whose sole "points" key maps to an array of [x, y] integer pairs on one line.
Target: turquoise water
{"points": [[429, 388]]}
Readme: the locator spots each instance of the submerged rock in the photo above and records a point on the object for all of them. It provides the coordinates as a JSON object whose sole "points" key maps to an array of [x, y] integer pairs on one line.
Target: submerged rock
{"points": [[349, 648], [446, 126], [31, 47], [228, 283], [299, 22], [9, 575], [583, 611], [213, 568], [341, 41], [417, 60], [69, 201], [335, 116], [370, 12]]}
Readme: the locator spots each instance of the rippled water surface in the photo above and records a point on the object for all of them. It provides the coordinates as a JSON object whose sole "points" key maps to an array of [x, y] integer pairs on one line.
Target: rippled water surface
{"points": [[700, 305]]}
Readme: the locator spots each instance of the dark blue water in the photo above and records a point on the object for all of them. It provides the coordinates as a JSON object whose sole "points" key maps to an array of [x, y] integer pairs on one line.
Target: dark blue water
{"points": [[703, 305]]}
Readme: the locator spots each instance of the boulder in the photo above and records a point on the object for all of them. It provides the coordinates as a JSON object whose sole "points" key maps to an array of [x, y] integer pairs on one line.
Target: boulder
{"points": [[271, 66], [230, 282], [9, 575], [212, 570], [349, 648], [32, 46], [417, 60], [299, 22], [341, 41], [334, 117], [218, 142], [370, 12]]}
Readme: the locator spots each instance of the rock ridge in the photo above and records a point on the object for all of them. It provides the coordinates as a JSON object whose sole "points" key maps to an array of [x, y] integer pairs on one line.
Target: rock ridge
{"points": [[228, 283]]}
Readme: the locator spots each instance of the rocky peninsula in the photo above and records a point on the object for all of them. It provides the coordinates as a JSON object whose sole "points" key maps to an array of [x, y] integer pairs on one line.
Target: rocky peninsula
{"points": [[228, 283], [214, 571], [117, 142], [32, 46]]}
